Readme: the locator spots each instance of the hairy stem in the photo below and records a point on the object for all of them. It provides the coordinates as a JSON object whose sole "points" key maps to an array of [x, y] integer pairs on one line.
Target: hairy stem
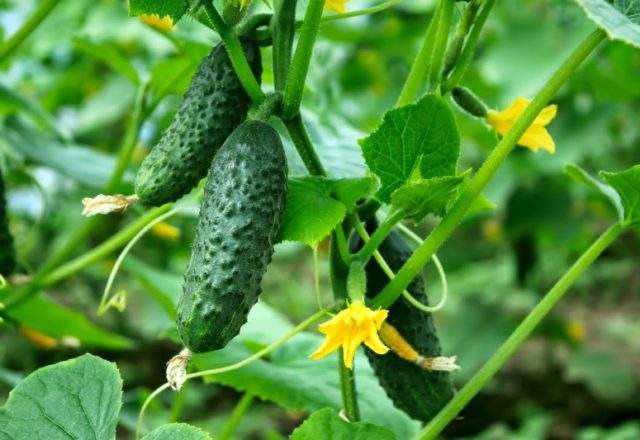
{"points": [[284, 30], [378, 236], [302, 142], [349, 393], [467, 52], [301, 59], [236, 54], [426, 61], [451, 220], [489, 369]]}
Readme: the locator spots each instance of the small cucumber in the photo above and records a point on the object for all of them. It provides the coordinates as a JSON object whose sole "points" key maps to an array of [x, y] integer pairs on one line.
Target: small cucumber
{"points": [[417, 392], [214, 105], [7, 253], [243, 201]]}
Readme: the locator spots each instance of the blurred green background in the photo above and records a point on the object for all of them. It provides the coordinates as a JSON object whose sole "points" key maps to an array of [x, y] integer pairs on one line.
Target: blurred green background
{"points": [[65, 102]]}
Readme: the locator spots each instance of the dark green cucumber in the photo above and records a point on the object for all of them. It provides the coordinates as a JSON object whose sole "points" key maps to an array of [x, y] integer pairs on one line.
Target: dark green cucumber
{"points": [[214, 105], [419, 393], [7, 253], [243, 201]]}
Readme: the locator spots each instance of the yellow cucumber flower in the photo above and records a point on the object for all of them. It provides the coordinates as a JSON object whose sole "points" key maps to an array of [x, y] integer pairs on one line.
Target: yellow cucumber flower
{"points": [[166, 231], [154, 20], [536, 136], [335, 5], [351, 327]]}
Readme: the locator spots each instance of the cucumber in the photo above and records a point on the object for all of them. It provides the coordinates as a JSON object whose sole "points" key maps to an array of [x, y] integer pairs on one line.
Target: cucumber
{"points": [[7, 253], [243, 201], [417, 392], [214, 105]]}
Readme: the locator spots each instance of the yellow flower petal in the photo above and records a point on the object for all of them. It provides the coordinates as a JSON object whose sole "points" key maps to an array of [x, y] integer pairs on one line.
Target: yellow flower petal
{"points": [[353, 326], [536, 136], [335, 5], [164, 24]]}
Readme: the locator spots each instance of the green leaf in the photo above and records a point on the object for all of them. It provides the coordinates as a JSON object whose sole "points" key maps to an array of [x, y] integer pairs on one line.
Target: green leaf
{"points": [[627, 185], [177, 431], [316, 205], [165, 287], [620, 20], [581, 176], [422, 135], [289, 378], [78, 162], [603, 373], [420, 197], [79, 398], [48, 317], [109, 54], [173, 8], [327, 424]]}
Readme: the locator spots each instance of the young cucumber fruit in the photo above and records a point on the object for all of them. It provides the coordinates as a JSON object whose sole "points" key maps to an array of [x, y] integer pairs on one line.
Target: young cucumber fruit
{"points": [[7, 253], [243, 201], [214, 105], [417, 392]]}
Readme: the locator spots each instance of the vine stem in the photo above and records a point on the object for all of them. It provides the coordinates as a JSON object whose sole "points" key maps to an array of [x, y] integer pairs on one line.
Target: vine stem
{"points": [[434, 43], [43, 10], [489, 369], [349, 392], [301, 59], [469, 47], [236, 415], [451, 220], [97, 253], [104, 301], [389, 272], [254, 357], [284, 30], [378, 236], [302, 142], [236, 54]]}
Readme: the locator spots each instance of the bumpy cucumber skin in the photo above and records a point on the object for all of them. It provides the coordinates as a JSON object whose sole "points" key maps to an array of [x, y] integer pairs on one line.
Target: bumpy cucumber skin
{"points": [[419, 393], [214, 105], [243, 202], [7, 253]]}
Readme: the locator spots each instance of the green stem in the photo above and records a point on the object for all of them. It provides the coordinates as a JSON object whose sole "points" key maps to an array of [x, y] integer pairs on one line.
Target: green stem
{"points": [[368, 11], [268, 107], [378, 236], [463, 28], [254, 357], [234, 420], [343, 247], [303, 145], [301, 59], [349, 393], [424, 61], [469, 47], [451, 220], [130, 140], [85, 260], [178, 404], [436, 61], [284, 30], [236, 54], [45, 7], [489, 369]]}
